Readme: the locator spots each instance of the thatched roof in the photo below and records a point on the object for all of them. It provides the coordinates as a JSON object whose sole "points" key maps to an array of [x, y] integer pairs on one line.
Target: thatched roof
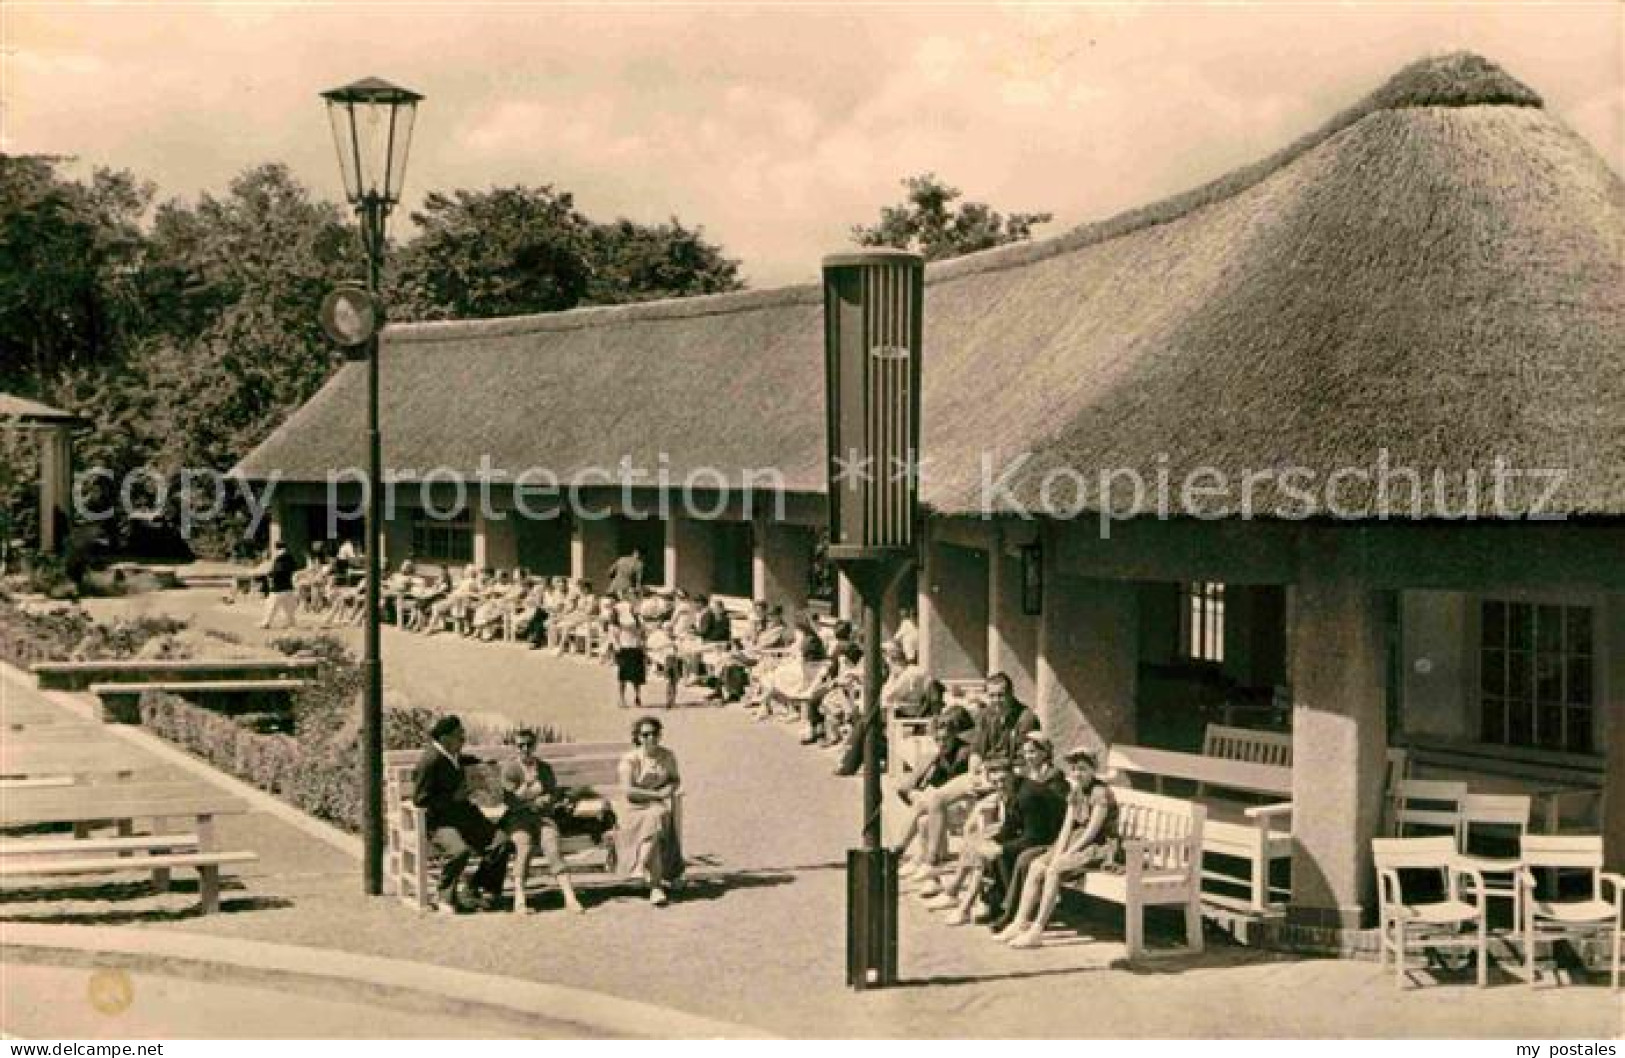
{"points": [[1435, 274]]}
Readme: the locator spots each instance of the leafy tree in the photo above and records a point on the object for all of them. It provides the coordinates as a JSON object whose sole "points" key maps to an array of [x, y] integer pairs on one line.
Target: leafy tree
{"points": [[517, 250], [928, 222], [229, 343], [187, 342], [502, 252], [237, 344], [70, 255]]}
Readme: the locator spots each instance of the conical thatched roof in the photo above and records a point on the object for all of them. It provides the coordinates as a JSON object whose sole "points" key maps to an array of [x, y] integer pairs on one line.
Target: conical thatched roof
{"points": [[21, 411], [1434, 278]]}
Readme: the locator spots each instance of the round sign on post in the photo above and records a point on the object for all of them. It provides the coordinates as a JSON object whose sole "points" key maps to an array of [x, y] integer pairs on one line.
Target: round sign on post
{"points": [[350, 317]]}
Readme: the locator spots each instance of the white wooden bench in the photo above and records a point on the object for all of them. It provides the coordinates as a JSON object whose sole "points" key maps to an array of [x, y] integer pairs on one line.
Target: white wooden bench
{"points": [[1237, 765], [79, 675], [1162, 840], [908, 738], [410, 861], [1248, 744]]}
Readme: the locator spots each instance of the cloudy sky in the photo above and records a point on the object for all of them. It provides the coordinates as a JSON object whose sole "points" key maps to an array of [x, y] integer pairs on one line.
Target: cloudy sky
{"points": [[775, 127]]}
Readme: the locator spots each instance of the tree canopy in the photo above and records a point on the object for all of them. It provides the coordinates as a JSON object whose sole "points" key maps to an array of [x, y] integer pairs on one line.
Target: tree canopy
{"points": [[70, 259], [187, 331], [928, 222]]}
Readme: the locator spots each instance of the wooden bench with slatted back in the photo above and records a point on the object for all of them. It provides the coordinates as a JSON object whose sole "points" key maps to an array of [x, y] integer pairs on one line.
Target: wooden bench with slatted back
{"points": [[1162, 865], [410, 860]]}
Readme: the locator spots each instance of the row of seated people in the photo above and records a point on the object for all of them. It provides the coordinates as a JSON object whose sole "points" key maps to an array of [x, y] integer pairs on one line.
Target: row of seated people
{"points": [[1030, 826], [328, 586]]}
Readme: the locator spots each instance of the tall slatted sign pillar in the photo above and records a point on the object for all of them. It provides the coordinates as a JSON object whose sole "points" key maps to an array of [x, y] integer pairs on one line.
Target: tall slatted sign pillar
{"points": [[872, 329]]}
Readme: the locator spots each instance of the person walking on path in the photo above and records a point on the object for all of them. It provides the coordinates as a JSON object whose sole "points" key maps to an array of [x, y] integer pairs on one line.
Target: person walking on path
{"points": [[631, 660], [626, 574], [279, 597]]}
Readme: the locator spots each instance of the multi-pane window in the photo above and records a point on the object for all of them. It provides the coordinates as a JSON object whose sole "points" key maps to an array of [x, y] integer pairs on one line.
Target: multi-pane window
{"points": [[1536, 667], [442, 540], [1201, 621]]}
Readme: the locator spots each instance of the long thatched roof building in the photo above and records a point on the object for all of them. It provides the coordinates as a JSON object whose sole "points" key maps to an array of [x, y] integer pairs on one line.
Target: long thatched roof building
{"points": [[1437, 272], [1432, 283]]}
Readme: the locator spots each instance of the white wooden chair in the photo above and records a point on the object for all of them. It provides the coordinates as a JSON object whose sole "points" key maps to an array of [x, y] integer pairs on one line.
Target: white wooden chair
{"points": [[1507, 814], [1428, 804], [1549, 919], [1459, 920]]}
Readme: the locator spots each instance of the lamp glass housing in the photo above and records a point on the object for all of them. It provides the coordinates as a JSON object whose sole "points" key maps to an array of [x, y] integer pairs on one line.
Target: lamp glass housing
{"points": [[372, 132]]}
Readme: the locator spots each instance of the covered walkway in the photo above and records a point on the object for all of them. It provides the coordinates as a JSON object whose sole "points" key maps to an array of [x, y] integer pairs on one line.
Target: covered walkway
{"points": [[758, 937]]}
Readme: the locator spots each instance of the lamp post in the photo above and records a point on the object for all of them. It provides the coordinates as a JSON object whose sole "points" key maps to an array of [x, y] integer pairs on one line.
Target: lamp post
{"points": [[872, 329], [372, 130]]}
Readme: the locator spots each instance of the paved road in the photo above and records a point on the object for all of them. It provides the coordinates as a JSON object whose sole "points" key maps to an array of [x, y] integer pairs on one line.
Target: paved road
{"points": [[68, 1002]]}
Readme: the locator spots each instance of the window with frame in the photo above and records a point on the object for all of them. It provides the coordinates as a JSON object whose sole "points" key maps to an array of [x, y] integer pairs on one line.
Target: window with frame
{"points": [[1536, 675], [1201, 621], [442, 539]]}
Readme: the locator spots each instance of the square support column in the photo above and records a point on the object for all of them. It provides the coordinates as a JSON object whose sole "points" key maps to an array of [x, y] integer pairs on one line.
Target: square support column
{"points": [[953, 612], [397, 534], [848, 607], [691, 554], [1012, 636], [669, 566], [780, 566], [290, 523], [55, 485], [1088, 659], [592, 550], [1337, 653]]}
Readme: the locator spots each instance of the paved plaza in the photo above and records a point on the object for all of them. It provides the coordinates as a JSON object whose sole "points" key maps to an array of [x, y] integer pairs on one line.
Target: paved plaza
{"points": [[757, 939]]}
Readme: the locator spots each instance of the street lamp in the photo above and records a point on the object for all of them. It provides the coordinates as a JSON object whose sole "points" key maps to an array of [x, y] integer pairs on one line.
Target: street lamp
{"points": [[372, 130], [872, 328]]}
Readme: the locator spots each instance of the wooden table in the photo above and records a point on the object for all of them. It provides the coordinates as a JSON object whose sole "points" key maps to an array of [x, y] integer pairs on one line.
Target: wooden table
{"points": [[122, 804], [96, 757]]}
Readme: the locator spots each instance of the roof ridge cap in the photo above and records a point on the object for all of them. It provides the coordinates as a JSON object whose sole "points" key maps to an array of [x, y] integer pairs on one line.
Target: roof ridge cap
{"points": [[1456, 79]]}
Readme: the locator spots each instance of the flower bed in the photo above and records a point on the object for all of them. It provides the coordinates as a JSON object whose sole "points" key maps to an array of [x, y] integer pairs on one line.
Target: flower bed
{"points": [[64, 632]]}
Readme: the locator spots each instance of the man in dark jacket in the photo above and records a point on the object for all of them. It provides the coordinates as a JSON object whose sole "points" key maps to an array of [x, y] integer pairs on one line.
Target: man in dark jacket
{"points": [[1031, 818], [456, 826]]}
